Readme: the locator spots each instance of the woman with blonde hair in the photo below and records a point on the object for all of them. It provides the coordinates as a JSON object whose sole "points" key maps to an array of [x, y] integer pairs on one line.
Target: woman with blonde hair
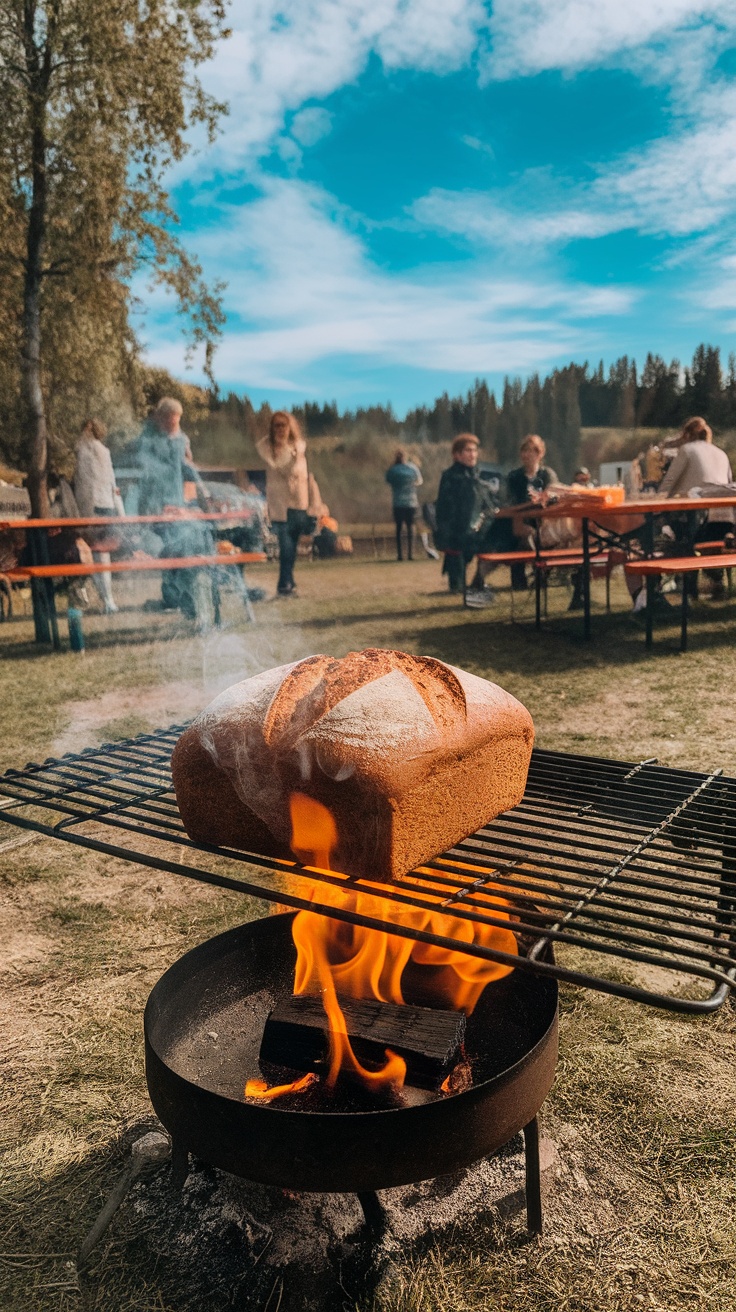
{"points": [[294, 501], [697, 462]]}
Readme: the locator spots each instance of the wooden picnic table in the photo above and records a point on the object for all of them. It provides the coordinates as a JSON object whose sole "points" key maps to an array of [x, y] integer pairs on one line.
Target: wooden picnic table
{"points": [[606, 531], [104, 521], [41, 573]]}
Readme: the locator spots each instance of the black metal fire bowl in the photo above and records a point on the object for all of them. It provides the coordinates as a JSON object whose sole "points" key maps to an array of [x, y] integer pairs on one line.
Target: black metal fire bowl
{"points": [[203, 1025]]}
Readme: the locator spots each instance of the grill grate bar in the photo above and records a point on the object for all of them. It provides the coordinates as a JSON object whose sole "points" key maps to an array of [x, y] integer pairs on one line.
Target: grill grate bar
{"points": [[638, 874], [620, 862], [555, 853]]}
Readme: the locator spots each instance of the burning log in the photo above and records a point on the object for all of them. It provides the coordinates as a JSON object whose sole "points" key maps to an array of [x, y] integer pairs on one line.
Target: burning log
{"points": [[297, 1036]]}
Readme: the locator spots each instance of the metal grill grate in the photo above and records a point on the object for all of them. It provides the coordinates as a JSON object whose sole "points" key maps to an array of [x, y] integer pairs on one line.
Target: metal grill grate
{"points": [[629, 871]]}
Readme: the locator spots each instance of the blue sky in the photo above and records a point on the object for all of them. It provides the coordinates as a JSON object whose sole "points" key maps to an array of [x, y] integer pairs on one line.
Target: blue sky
{"points": [[411, 193]]}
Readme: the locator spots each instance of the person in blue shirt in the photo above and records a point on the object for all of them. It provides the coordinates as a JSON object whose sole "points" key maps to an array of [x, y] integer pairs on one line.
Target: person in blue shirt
{"points": [[404, 477]]}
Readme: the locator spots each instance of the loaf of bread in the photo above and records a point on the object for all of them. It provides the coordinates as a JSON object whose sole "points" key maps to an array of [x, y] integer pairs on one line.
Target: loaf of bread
{"points": [[408, 754]]}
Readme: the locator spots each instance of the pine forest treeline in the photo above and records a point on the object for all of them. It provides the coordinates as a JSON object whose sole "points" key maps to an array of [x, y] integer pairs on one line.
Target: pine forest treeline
{"points": [[224, 428], [661, 395]]}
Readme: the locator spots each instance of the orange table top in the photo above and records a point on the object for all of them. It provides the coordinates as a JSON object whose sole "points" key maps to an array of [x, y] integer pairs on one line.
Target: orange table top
{"points": [[107, 521], [642, 506], [130, 566]]}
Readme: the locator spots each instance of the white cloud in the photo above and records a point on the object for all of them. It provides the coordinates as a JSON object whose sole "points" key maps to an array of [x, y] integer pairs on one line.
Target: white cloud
{"points": [[299, 277], [303, 284], [310, 125], [530, 36], [485, 221], [284, 53], [719, 293], [679, 186]]}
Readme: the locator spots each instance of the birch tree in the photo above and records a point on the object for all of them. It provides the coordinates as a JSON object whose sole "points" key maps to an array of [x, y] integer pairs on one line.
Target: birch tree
{"points": [[97, 100]]}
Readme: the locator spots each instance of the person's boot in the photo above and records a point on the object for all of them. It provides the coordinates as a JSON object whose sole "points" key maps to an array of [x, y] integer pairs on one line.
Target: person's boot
{"points": [[576, 601]]}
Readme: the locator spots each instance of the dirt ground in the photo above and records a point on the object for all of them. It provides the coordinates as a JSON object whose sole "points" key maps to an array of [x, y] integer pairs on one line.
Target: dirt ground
{"points": [[643, 1213]]}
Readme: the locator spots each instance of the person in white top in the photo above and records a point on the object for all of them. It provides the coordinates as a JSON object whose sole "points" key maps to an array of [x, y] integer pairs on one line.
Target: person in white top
{"points": [[96, 494], [698, 463]]}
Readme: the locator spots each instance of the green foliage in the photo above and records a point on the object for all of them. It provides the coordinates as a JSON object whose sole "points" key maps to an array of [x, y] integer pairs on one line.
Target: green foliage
{"points": [[96, 101]]}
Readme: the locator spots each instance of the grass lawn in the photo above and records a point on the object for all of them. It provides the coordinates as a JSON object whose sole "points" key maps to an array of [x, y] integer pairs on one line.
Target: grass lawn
{"points": [[642, 1111]]}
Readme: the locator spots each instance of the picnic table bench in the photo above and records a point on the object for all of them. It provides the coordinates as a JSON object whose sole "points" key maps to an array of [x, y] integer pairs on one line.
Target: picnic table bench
{"points": [[650, 570], [544, 562], [615, 528], [41, 573]]}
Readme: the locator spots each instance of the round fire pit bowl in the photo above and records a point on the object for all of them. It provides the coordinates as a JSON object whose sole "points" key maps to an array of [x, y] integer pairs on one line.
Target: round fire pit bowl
{"points": [[203, 1026]]}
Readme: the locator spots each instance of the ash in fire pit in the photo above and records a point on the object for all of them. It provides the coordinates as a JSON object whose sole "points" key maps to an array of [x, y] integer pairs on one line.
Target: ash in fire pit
{"points": [[235, 1244]]}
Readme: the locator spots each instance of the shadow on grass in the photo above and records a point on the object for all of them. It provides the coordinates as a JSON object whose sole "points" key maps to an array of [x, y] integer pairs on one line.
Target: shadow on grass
{"points": [[101, 640], [196, 1249], [560, 645], [364, 617]]}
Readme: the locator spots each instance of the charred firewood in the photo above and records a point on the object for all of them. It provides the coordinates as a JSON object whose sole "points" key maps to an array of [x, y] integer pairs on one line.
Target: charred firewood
{"points": [[296, 1036]]}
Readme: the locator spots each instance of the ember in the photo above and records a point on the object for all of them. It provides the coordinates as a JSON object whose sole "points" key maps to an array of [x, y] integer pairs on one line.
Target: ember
{"points": [[259, 1088]]}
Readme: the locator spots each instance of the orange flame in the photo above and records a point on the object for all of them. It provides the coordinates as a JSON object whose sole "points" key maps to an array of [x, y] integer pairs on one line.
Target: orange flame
{"points": [[337, 958], [259, 1088]]}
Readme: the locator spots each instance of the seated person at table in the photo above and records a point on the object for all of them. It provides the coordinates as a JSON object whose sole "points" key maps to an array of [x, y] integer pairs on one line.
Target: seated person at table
{"points": [[699, 462], [464, 511], [525, 484]]}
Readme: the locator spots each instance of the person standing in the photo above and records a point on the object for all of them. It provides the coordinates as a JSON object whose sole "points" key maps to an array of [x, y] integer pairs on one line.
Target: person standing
{"points": [[96, 493], [164, 456], [404, 477], [463, 506], [524, 485], [294, 501]]}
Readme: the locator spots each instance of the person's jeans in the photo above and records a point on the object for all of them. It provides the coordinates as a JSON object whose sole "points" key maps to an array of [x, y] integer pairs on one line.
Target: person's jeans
{"points": [[404, 515], [184, 538], [287, 554], [454, 567]]}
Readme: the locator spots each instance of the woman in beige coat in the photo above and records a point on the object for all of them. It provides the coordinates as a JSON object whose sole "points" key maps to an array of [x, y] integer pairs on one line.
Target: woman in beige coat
{"points": [[291, 491]]}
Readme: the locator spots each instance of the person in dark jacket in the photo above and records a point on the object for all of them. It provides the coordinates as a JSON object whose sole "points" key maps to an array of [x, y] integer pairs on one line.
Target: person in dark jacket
{"points": [[526, 484], [463, 510]]}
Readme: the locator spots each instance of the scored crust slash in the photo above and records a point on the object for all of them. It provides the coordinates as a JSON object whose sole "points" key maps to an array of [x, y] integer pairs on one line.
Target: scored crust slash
{"points": [[408, 754]]}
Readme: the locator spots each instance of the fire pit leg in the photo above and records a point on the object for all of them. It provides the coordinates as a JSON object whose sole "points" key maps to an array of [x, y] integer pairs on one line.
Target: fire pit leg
{"points": [[533, 1178], [375, 1217], [179, 1163]]}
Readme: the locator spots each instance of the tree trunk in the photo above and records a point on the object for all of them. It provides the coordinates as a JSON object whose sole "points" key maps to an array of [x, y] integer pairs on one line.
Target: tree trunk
{"points": [[33, 400], [32, 392]]}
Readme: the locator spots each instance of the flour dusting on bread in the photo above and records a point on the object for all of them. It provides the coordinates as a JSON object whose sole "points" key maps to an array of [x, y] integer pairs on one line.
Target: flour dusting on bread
{"points": [[408, 753]]}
